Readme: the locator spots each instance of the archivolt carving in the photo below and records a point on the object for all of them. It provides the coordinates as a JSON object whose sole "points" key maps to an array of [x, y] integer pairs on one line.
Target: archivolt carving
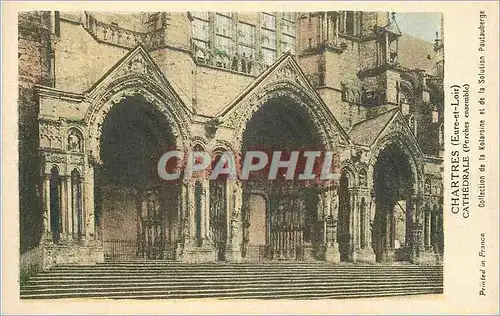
{"points": [[222, 144], [197, 141], [411, 150], [320, 117], [138, 85], [348, 168]]}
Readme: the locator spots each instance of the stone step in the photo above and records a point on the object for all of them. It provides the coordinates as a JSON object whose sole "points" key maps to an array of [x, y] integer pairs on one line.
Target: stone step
{"points": [[241, 267], [208, 275], [239, 292], [202, 278], [183, 283], [262, 264], [238, 273], [161, 279]]}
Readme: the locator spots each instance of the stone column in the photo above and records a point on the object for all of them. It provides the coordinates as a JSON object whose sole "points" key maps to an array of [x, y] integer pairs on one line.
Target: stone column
{"points": [[418, 222], [186, 218], [332, 253], [206, 232], [420, 255], [332, 27], [192, 251], [428, 229], [205, 209], [69, 203], [325, 27], [366, 253], [337, 26], [353, 224], [64, 208], [183, 220], [46, 212], [387, 49], [228, 187], [88, 207], [188, 212], [235, 233]]}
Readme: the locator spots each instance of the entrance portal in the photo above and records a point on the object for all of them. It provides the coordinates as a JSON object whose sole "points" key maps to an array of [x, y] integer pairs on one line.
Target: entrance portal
{"points": [[280, 216], [136, 215], [393, 185]]}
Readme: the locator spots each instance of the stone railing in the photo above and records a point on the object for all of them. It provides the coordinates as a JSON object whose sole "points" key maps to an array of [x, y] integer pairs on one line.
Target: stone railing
{"points": [[113, 34], [222, 60]]}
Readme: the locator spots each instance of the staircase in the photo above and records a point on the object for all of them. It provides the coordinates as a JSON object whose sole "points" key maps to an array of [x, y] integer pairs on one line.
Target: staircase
{"points": [[139, 279]]}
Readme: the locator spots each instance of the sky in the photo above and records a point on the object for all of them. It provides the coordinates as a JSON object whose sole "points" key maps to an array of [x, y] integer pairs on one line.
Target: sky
{"points": [[420, 24]]}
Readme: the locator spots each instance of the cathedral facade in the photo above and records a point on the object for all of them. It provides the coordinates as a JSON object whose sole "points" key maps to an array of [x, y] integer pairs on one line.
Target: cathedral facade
{"points": [[102, 96]]}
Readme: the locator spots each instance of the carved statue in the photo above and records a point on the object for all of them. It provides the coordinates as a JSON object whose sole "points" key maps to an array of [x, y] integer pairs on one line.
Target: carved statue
{"points": [[74, 141], [335, 203]]}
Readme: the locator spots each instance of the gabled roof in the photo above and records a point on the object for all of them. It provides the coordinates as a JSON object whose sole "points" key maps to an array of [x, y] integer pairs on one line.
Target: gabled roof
{"points": [[136, 62], [285, 67], [367, 132]]}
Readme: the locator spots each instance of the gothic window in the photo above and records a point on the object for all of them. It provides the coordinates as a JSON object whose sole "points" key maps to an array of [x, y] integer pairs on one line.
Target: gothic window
{"points": [[268, 46], [276, 32], [246, 40], [268, 37], [269, 20], [77, 205], [223, 40], [201, 36], [55, 204], [288, 32]]}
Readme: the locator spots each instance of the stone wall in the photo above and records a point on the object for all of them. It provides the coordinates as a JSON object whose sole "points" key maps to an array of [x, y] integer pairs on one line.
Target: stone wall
{"points": [[72, 254], [34, 68]]}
